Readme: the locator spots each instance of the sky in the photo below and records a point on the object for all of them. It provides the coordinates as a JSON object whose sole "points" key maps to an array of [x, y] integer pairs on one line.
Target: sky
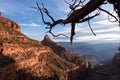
{"points": [[31, 24]]}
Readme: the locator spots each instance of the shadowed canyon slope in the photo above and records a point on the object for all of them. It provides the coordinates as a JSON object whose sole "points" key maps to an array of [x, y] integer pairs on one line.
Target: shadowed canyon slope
{"points": [[109, 71], [22, 58]]}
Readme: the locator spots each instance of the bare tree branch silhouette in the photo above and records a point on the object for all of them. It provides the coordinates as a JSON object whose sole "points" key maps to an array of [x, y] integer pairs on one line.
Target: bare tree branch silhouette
{"points": [[79, 13]]}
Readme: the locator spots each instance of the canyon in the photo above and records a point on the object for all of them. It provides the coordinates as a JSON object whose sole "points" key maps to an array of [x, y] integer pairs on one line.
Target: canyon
{"points": [[22, 58]]}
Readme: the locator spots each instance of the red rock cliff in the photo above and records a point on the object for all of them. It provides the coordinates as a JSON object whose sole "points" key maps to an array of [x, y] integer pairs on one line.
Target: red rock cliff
{"points": [[22, 58]]}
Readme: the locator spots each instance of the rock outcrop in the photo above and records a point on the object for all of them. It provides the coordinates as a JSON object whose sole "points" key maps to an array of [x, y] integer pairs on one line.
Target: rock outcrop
{"points": [[6, 22], [112, 67], [82, 62], [109, 71], [63, 52], [116, 59]]}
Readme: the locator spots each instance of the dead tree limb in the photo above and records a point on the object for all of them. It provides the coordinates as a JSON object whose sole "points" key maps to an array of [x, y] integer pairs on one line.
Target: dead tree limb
{"points": [[81, 13], [78, 15]]}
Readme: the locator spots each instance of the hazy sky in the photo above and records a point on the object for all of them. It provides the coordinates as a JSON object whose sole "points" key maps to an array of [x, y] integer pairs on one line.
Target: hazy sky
{"points": [[31, 24]]}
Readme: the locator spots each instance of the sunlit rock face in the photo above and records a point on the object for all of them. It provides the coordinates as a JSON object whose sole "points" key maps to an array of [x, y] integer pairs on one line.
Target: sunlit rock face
{"points": [[22, 58]]}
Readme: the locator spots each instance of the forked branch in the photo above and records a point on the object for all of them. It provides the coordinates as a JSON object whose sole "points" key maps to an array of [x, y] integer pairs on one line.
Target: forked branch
{"points": [[78, 14]]}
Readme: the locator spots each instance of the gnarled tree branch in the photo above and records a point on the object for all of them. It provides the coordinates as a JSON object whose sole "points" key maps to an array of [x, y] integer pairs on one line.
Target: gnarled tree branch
{"points": [[78, 14]]}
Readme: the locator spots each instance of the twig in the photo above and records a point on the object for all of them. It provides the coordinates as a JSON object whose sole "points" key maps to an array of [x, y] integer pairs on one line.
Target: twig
{"points": [[57, 34], [108, 13], [88, 18], [91, 28]]}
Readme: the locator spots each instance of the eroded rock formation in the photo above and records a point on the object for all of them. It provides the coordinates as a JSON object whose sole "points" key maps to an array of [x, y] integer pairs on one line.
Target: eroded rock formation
{"points": [[74, 73], [22, 58], [63, 52]]}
